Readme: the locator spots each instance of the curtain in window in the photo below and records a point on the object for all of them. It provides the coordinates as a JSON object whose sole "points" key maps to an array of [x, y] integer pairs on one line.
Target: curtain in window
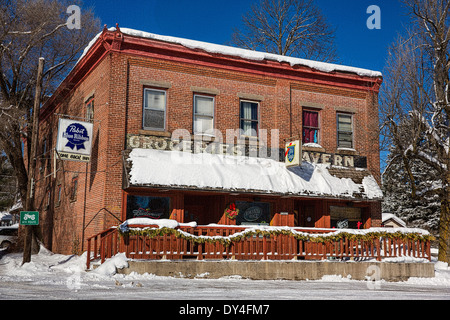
{"points": [[310, 135], [249, 118], [249, 110], [310, 119], [310, 127]]}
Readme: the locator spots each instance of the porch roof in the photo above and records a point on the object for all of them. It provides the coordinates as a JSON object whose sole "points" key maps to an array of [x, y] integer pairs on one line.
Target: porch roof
{"points": [[204, 171]]}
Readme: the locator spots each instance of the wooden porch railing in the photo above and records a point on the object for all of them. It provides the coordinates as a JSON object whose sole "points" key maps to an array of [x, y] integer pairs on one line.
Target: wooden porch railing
{"points": [[249, 247]]}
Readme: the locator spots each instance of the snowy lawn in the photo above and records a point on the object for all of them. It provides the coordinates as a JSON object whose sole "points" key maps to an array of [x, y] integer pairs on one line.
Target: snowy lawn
{"points": [[54, 276]]}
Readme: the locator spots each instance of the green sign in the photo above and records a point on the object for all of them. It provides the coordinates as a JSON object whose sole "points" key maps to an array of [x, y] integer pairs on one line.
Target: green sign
{"points": [[29, 218]]}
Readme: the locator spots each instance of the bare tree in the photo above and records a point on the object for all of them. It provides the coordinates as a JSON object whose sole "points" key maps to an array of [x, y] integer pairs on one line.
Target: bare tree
{"points": [[8, 190], [415, 103], [30, 29], [287, 27]]}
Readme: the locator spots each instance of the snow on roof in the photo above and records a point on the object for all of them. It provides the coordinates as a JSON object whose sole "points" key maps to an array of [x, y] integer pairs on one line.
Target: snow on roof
{"points": [[241, 174], [388, 216], [242, 53]]}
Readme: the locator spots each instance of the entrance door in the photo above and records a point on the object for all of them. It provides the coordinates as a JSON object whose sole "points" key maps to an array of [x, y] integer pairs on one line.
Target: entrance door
{"points": [[309, 216], [305, 214], [194, 213]]}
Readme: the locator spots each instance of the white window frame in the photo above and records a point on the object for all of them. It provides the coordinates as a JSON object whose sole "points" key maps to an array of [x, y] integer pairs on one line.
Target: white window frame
{"points": [[258, 118], [337, 129], [194, 114], [144, 102]]}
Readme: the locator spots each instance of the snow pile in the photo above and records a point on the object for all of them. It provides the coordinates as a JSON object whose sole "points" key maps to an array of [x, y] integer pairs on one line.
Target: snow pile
{"points": [[336, 278], [442, 276], [3, 213], [240, 53], [161, 223], [55, 276], [110, 266], [312, 145], [239, 173], [44, 263]]}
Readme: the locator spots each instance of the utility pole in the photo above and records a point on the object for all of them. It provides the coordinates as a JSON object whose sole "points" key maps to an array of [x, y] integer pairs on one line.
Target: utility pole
{"points": [[32, 162]]}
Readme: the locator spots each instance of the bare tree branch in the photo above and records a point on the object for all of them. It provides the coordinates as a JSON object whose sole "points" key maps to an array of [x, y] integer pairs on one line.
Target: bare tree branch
{"points": [[287, 27], [30, 29], [416, 99]]}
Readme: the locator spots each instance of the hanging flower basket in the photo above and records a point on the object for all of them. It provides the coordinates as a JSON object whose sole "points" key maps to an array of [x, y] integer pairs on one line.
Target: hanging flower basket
{"points": [[231, 211]]}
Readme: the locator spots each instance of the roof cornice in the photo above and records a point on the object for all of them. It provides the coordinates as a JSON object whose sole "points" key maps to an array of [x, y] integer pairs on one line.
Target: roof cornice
{"points": [[114, 40]]}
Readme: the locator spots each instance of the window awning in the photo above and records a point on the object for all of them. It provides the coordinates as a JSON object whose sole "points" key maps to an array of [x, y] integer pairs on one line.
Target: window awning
{"points": [[226, 173]]}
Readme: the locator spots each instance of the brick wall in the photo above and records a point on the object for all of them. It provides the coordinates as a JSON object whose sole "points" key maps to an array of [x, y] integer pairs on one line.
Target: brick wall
{"points": [[61, 222]]}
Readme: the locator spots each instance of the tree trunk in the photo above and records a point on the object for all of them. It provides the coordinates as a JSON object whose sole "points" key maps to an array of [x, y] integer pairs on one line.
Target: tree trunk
{"points": [[29, 205], [444, 221]]}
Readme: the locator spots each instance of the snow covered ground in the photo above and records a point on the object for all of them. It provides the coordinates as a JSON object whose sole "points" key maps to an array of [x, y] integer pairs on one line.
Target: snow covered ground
{"points": [[53, 276]]}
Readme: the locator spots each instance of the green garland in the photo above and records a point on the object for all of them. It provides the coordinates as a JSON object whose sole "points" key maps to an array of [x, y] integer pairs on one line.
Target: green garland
{"points": [[240, 236]]}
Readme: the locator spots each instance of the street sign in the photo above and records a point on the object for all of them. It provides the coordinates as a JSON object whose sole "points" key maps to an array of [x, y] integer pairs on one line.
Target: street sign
{"points": [[29, 218]]}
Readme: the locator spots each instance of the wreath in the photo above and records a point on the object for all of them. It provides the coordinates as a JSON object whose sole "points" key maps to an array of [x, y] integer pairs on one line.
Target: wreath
{"points": [[231, 211]]}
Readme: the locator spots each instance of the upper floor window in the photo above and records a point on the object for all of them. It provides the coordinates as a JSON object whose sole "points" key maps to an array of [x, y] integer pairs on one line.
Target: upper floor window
{"points": [[203, 113], [249, 118], [90, 109], [74, 189], [344, 130], [154, 109], [58, 195], [311, 127]]}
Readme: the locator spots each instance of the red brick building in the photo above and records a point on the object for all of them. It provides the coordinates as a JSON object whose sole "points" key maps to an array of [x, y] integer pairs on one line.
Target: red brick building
{"points": [[138, 88]]}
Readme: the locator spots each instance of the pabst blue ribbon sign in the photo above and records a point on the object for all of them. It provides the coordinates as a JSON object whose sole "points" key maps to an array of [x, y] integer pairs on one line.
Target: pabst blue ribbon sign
{"points": [[74, 140]]}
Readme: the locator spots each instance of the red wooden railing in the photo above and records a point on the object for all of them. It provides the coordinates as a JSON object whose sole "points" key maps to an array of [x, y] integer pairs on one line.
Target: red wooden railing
{"points": [[102, 246], [257, 247]]}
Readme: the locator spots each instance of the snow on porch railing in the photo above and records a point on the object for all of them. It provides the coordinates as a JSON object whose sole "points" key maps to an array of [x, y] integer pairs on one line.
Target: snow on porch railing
{"points": [[102, 246], [170, 240]]}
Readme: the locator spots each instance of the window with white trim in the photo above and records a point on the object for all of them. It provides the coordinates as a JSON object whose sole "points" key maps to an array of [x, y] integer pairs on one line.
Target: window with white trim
{"points": [[203, 113], [154, 113], [344, 130], [249, 118]]}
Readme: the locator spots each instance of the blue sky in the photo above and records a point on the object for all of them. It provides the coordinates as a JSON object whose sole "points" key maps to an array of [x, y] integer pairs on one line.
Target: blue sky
{"points": [[213, 21]]}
